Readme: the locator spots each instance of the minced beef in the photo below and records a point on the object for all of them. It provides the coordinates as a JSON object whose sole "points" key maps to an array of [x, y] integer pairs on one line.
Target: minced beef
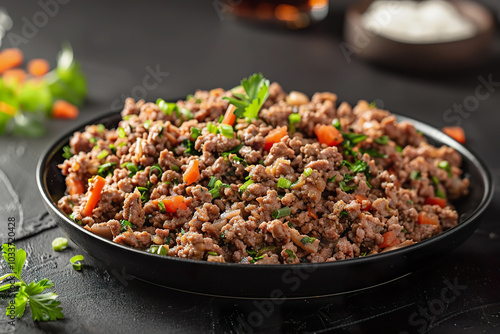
{"points": [[382, 188]]}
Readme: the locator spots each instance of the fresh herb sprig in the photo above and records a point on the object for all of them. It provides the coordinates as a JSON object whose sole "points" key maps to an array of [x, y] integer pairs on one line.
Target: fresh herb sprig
{"points": [[44, 307], [256, 93]]}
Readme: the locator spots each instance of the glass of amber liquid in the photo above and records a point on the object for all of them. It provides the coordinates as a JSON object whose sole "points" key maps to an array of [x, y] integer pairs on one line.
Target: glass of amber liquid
{"points": [[294, 14]]}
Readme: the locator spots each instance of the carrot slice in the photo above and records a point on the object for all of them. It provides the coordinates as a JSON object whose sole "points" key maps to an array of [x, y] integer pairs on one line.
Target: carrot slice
{"points": [[75, 187], [455, 132], [436, 201], [95, 193], [229, 117], [63, 109], [173, 203], [312, 213], [38, 67], [328, 134], [10, 58], [425, 218], [390, 239], [14, 75], [192, 173], [274, 137]]}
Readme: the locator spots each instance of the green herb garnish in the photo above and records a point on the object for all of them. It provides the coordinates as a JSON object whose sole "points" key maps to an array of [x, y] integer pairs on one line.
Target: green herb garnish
{"points": [[446, 166], [248, 105], [283, 212], [124, 223], [44, 307], [167, 107], [195, 132], [106, 169], [307, 240]]}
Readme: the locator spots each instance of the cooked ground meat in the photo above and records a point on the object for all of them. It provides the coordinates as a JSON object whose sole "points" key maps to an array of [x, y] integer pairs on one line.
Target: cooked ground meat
{"points": [[256, 197]]}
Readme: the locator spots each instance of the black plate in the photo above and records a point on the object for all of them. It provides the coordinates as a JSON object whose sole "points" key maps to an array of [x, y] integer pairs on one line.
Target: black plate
{"points": [[270, 281]]}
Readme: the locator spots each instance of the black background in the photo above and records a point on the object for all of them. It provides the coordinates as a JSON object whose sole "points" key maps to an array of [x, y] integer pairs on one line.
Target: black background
{"points": [[117, 40]]}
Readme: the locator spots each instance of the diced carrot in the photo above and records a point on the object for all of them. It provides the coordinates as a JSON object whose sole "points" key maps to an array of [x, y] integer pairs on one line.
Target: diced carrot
{"points": [[425, 218], [95, 193], [38, 67], [455, 132], [436, 201], [192, 173], [312, 213], [274, 137], [10, 58], [7, 109], [363, 200], [75, 187], [173, 203], [63, 109], [14, 75], [229, 117], [328, 134], [390, 240]]}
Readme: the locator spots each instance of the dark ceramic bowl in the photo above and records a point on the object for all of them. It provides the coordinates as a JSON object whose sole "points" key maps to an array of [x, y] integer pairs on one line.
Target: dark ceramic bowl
{"points": [[442, 56], [269, 281]]}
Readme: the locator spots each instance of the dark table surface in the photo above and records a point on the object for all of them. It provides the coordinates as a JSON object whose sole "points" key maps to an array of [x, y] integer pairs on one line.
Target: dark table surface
{"points": [[118, 43]]}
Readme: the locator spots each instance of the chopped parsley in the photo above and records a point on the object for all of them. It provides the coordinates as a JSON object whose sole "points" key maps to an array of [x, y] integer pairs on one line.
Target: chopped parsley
{"points": [[244, 186], [124, 223], [445, 165], [290, 254], [343, 214], [336, 124], [373, 153], [307, 172], [307, 240], [190, 147], [44, 307], [131, 167], [106, 169], [214, 185], [195, 132], [167, 107], [284, 183]]}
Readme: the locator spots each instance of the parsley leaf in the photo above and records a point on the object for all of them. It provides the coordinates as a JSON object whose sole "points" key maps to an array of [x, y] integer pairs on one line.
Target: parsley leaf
{"points": [[44, 307], [257, 91]]}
